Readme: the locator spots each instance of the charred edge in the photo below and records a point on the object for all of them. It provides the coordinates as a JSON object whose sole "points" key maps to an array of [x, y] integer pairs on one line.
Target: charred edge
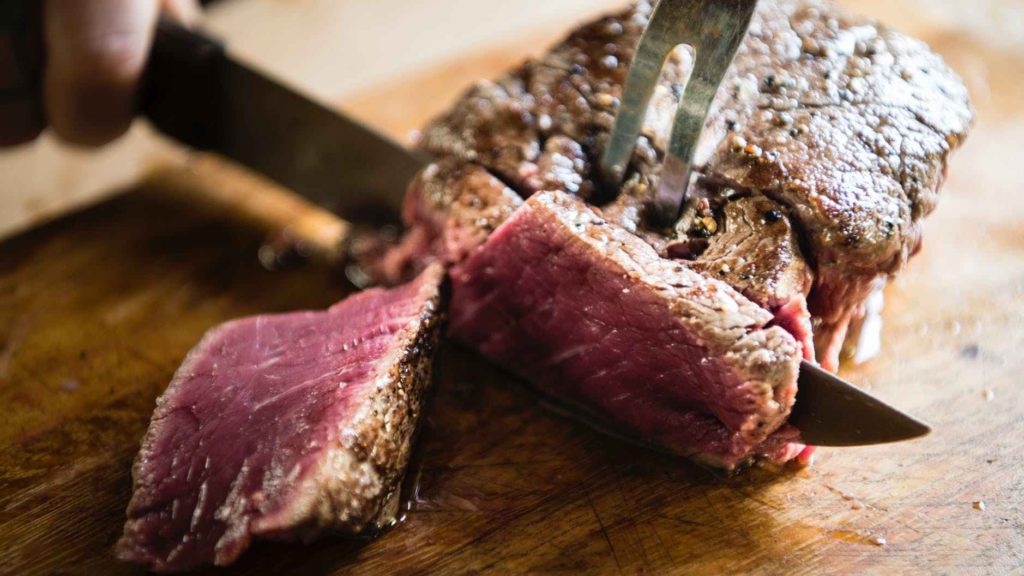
{"points": [[438, 320], [410, 367], [601, 193]]}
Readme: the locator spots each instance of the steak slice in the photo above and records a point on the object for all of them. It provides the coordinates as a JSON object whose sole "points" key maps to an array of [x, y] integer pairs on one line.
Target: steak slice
{"points": [[281, 426], [755, 250], [450, 208], [593, 316]]}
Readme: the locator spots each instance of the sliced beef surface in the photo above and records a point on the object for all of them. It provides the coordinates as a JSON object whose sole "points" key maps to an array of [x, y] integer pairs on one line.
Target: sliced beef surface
{"points": [[593, 316], [755, 250], [281, 426], [450, 209], [843, 121]]}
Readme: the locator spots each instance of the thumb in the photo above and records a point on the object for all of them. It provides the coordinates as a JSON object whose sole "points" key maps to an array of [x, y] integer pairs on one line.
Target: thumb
{"points": [[96, 51]]}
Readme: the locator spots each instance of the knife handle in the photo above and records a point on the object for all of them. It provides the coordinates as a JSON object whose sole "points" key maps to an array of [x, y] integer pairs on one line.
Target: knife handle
{"points": [[21, 56], [181, 92], [182, 95]]}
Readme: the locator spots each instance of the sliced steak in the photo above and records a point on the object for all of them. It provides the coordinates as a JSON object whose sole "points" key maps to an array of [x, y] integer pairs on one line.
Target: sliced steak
{"points": [[593, 316], [450, 209], [282, 426], [846, 123]]}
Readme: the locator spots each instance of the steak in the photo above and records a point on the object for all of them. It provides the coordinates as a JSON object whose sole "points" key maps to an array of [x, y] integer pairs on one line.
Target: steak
{"points": [[843, 123], [455, 206], [592, 316], [282, 426]]}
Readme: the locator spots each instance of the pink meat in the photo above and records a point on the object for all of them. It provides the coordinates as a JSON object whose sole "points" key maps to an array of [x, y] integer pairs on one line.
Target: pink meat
{"points": [[278, 426], [592, 316]]}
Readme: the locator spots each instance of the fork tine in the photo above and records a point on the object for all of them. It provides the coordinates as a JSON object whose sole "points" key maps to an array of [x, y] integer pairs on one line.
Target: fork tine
{"points": [[714, 29], [723, 23], [655, 44]]}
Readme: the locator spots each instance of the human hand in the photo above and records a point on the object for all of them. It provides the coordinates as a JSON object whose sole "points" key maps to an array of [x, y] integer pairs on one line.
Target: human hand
{"points": [[90, 55]]}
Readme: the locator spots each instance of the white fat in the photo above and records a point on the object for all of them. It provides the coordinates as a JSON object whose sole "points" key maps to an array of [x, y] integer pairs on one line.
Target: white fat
{"points": [[869, 338]]}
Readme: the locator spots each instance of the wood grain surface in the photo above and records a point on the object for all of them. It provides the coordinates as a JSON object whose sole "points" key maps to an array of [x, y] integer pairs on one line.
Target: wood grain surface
{"points": [[98, 308]]}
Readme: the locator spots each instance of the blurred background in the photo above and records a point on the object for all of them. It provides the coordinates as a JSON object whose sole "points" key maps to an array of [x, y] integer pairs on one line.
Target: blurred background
{"points": [[396, 63]]}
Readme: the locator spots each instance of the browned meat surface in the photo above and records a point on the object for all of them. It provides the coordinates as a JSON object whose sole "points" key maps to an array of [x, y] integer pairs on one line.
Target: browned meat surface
{"points": [[755, 250], [455, 206], [823, 153], [846, 124]]}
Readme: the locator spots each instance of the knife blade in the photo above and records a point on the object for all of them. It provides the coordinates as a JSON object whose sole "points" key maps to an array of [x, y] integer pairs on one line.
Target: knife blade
{"points": [[832, 412], [198, 94]]}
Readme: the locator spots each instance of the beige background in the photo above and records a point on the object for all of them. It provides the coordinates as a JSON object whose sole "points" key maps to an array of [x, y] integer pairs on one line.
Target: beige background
{"points": [[340, 49]]}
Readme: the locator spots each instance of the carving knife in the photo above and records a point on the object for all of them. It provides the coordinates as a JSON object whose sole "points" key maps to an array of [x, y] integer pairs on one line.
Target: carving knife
{"points": [[830, 411]]}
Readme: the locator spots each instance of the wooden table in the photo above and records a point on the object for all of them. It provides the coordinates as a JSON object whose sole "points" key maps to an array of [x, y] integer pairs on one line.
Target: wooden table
{"points": [[98, 308]]}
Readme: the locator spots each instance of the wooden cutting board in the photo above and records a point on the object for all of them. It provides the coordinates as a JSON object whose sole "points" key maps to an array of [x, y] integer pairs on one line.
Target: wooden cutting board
{"points": [[98, 308]]}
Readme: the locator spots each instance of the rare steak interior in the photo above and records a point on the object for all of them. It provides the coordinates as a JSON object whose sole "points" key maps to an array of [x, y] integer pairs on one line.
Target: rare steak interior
{"points": [[282, 426]]}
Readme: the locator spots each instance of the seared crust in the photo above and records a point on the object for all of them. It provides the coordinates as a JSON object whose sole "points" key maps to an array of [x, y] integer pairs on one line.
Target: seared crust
{"points": [[282, 426], [455, 205], [844, 122], [351, 491]]}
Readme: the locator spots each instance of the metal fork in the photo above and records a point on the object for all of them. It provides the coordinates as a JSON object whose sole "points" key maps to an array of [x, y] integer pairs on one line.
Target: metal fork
{"points": [[713, 29]]}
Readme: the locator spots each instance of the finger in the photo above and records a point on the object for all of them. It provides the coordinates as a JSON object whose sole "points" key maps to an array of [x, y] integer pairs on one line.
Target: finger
{"points": [[96, 51], [185, 11]]}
